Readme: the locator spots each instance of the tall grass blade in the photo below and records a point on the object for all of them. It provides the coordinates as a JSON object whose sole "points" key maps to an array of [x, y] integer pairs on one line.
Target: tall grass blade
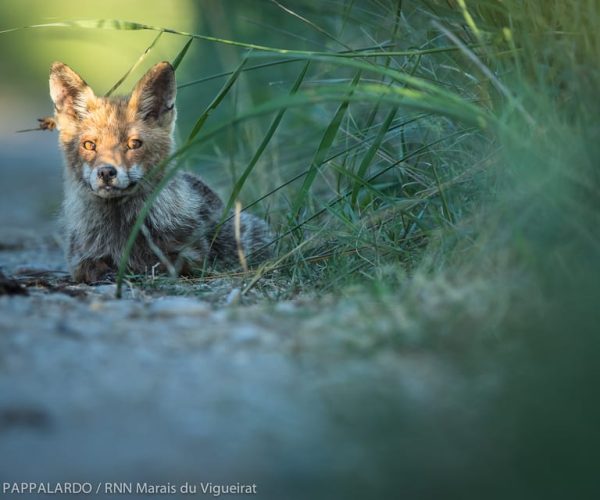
{"points": [[503, 89], [322, 150], [311, 24], [327, 160], [388, 60], [370, 179], [267, 65], [346, 15], [261, 148], [115, 24], [179, 58], [370, 154], [135, 65], [217, 100], [441, 190], [469, 19]]}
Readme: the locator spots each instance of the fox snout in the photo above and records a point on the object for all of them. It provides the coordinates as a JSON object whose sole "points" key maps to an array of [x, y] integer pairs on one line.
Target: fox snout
{"points": [[111, 181], [107, 173]]}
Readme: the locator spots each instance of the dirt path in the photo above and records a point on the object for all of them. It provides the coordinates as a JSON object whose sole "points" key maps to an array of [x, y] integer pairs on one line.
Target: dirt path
{"points": [[179, 387]]}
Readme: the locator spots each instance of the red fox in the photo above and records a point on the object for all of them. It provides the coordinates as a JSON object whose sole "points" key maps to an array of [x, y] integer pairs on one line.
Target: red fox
{"points": [[110, 145]]}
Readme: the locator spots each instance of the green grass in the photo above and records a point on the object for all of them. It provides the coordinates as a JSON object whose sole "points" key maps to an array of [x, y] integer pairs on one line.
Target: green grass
{"points": [[431, 174], [418, 124]]}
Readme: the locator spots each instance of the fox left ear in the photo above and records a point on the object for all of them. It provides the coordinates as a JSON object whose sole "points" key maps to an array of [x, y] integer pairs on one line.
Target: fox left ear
{"points": [[153, 97], [69, 92]]}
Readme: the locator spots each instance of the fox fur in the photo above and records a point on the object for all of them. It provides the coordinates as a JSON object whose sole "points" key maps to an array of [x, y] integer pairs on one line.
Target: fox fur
{"points": [[110, 145]]}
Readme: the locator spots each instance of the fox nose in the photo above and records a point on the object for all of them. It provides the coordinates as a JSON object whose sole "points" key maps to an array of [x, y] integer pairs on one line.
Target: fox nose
{"points": [[107, 173]]}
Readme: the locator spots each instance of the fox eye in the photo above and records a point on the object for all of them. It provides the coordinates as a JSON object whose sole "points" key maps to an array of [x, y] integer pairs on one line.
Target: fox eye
{"points": [[134, 143], [89, 145]]}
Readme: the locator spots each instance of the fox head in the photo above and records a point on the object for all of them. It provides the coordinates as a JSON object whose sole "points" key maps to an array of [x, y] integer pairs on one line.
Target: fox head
{"points": [[110, 143]]}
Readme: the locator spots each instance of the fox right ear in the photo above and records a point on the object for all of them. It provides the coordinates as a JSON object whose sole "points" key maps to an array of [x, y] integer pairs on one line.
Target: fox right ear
{"points": [[69, 91], [153, 97]]}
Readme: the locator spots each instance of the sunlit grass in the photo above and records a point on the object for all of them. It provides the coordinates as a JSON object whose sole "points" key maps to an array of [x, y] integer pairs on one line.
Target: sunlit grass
{"points": [[414, 126]]}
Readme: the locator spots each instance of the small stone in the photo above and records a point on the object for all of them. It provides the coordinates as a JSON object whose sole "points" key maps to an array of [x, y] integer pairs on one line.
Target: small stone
{"points": [[245, 334], [96, 306], [179, 306], [285, 307], [105, 290], [234, 297]]}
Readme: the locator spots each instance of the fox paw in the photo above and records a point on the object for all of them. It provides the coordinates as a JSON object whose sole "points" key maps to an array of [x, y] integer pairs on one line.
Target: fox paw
{"points": [[93, 272]]}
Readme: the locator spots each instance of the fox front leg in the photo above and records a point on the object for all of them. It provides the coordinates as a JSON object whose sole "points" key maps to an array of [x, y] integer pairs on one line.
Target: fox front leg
{"points": [[92, 271]]}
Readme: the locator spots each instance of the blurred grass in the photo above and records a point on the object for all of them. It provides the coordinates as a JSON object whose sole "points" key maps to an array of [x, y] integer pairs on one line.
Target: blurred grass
{"points": [[447, 187]]}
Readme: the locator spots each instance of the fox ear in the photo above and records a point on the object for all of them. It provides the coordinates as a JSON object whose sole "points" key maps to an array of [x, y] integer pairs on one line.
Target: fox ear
{"points": [[69, 91], [153, 97]]}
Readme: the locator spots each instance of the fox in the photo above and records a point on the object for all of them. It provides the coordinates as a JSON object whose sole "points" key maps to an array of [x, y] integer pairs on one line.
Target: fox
{"points": [[112, 148]]}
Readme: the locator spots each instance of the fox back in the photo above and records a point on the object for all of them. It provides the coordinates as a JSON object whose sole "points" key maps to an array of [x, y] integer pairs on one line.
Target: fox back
{"points": [[114, 148]]}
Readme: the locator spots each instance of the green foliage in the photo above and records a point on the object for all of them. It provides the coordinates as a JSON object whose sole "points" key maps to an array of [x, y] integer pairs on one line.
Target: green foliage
{"points": [[435, 163], [436, 120]]}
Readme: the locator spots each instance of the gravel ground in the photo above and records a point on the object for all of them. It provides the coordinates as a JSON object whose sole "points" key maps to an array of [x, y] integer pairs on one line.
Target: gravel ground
{"points": [[176, 385]]}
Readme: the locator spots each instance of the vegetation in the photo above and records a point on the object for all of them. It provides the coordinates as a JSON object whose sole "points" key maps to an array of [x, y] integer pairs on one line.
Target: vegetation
{"points": [[432, 164], [445, 141]]}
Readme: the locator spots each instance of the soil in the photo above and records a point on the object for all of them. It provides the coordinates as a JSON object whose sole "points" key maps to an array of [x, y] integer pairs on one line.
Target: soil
{"points": [[189, 381]]}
